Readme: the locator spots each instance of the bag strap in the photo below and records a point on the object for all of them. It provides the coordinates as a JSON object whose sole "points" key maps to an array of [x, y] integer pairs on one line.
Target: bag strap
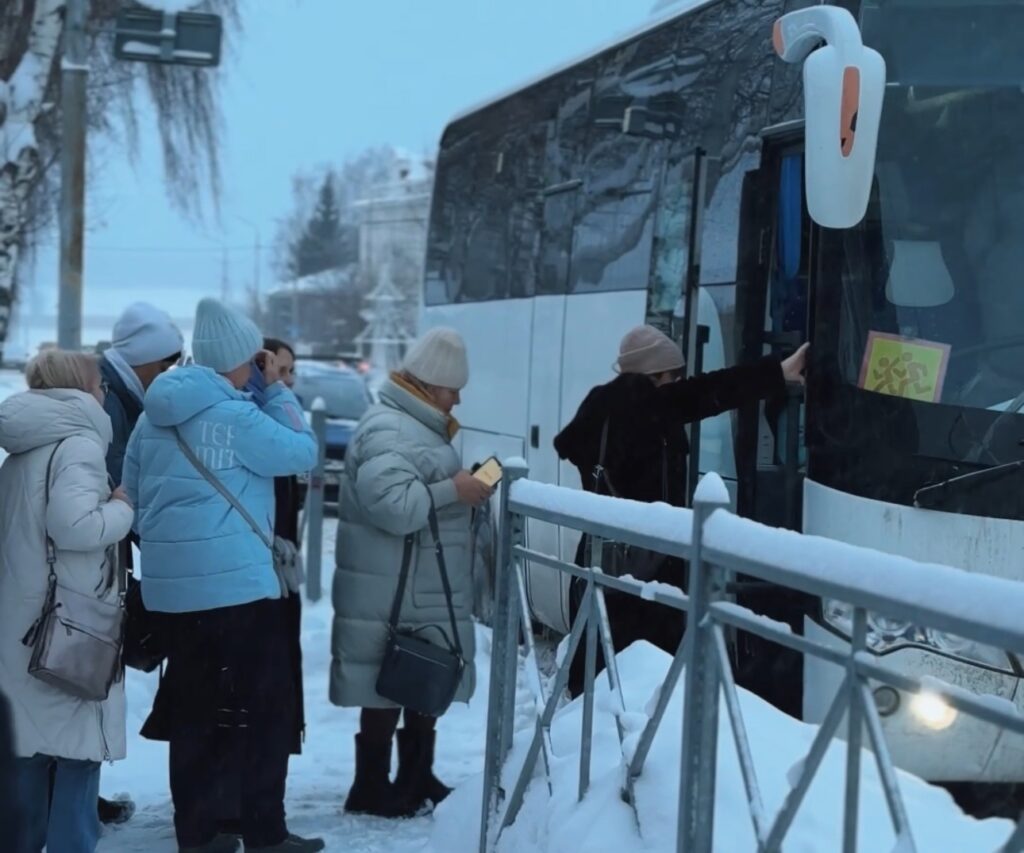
{"points": [[410, 544], [600, 472], [51, 546], [220, 487]]}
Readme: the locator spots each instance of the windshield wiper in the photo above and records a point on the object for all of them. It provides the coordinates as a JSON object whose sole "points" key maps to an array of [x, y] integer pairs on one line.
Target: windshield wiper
{"points": [[991, 491]]}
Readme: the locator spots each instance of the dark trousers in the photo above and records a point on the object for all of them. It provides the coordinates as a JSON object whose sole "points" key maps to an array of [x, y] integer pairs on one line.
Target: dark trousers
{"points": [[231, 715], [631, 619]]}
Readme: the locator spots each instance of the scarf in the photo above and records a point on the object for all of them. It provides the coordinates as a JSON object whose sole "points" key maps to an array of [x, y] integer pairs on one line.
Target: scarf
{"points": [[128, 376], [418, 391]]}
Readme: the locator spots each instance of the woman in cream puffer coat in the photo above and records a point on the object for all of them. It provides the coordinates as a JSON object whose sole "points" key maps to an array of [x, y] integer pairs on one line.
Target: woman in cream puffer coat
{"points": [[399, 463], [61, 419]]}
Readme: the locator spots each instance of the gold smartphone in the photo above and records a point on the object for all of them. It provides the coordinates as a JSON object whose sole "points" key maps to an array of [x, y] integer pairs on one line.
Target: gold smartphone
{"points": [[490, 472]]}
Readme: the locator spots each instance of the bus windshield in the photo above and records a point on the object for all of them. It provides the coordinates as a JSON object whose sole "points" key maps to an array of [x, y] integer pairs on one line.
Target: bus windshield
{"points": [[931, 284]]}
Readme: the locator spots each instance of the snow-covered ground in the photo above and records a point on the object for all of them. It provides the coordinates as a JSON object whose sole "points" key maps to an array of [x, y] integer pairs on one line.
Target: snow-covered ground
{"points": [[320, 778]]}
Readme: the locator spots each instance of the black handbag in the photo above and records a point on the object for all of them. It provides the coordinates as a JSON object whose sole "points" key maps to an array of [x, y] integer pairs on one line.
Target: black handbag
{"points": [[145, 633], [416, 673], [617, 558]]}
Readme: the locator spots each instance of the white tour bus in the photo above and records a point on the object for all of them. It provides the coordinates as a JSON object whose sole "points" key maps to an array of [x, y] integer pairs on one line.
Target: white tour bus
{"points": [[747, 175]]}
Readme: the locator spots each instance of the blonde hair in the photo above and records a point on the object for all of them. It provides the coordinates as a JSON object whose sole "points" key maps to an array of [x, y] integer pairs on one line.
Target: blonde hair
{"points": [[62, 369]]}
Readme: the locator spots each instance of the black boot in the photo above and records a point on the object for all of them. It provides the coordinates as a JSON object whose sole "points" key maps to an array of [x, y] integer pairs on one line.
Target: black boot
{"points": [[292, 844], [115, 811], [372, 791], [220, 844], [416, 767]]}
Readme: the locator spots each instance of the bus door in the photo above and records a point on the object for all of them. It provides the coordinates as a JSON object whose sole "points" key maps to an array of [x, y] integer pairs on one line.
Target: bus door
{"points": [[772, 310], [772, 317]]}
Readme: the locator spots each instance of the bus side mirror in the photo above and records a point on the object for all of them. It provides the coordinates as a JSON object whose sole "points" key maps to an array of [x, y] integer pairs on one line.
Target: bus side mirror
{"points": [[844, 88]]}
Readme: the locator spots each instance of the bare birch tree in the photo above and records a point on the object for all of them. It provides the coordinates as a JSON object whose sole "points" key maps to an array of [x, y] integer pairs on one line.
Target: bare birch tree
{"points": [[184, 99]]}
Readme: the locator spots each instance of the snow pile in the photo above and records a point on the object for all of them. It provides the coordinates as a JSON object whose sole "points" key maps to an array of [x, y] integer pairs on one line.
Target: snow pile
{"points": [[603, 822]]}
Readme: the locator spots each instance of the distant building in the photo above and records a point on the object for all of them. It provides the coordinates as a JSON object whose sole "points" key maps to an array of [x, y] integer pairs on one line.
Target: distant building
{"points": [[317, 314], [393, 223]]}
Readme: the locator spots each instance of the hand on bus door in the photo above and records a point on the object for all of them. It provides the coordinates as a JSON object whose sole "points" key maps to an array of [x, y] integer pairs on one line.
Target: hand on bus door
{"points": [[793, 367], [471, 491]]}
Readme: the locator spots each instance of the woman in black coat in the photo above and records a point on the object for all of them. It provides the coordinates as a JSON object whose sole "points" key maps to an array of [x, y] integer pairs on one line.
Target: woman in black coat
{"points": [[287, 507], [640, 417]]}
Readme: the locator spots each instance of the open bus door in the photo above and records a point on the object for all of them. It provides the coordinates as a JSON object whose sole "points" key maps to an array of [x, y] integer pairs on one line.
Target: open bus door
{"points": [[772, 310]]}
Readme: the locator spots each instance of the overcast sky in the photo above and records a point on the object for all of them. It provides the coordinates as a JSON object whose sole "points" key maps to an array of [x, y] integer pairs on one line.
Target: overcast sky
{"points": [[310, 82]]}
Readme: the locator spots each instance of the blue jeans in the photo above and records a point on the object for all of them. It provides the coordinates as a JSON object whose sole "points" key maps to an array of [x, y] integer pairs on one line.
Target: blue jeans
{"points": [[68, 822]]}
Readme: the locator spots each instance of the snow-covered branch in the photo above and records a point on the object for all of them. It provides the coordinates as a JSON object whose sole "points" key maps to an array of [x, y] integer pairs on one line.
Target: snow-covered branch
{"points": [[22, 100]]}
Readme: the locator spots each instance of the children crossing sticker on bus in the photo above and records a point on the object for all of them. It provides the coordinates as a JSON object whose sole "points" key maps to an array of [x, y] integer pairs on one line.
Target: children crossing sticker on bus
{"points": [[904, 367]]}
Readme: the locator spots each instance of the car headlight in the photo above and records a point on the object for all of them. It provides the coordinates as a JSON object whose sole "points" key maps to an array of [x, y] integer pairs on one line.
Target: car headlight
{"points": [[886, 634]]}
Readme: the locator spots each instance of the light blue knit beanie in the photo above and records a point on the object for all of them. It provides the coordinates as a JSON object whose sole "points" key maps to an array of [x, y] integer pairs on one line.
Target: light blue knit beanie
{"points": [[223, 339]]}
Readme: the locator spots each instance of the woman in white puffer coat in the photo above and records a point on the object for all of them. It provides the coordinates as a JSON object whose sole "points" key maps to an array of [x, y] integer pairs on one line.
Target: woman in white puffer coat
{"points": [[54, 732]]}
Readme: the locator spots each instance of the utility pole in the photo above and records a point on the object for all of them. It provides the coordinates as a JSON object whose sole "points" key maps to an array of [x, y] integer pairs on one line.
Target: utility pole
{"points": [[73, 76]]}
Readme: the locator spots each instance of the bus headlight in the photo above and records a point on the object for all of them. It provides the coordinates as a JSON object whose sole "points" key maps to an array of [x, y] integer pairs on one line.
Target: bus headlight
{"points": [[882, 629], [933, 711], [886, 634]]}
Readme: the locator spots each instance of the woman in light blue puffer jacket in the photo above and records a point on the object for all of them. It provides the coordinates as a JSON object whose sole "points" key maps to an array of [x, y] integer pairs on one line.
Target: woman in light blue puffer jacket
{"points": [[226, 700]]}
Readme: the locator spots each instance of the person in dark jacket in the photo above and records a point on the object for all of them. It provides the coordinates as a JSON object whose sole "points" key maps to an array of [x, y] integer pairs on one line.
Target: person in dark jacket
{"points": [[287, 506], [641, 416], [145, 344]]}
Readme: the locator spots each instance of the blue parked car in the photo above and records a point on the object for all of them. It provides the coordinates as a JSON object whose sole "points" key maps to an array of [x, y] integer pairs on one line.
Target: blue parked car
{"points": [[346, 397]]}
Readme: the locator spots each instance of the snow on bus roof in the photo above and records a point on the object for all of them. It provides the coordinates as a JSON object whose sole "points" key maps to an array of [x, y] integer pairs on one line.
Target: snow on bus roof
{"points": [[678, 10]]}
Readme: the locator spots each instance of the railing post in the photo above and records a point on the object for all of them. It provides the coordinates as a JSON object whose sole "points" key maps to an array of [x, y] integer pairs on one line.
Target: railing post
{"points": [[502, 691], [855, 733], [700, 714], [591, 614], [315, 504]]}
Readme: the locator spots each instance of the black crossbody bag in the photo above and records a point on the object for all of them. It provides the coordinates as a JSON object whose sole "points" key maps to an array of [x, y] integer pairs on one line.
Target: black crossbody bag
{"points": [[619, 559], [415, 673]]}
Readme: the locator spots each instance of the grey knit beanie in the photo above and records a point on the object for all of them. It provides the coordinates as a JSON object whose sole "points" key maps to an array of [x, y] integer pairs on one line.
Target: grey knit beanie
{"points": [[223, 339], [646, 350]]}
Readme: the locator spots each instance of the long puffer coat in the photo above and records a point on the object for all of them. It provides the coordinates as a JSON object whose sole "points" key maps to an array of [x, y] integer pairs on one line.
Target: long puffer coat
{"points": [[400, 458], [83, 522]]}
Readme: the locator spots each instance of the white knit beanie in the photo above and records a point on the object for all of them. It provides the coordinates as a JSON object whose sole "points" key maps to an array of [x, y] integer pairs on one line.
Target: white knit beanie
{"points": [[646, 350], [439, 359], [223, 339], [144, 334]]}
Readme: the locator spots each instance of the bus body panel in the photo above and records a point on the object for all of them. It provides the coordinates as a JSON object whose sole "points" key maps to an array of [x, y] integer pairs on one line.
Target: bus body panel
{"points": [[966, 751]]}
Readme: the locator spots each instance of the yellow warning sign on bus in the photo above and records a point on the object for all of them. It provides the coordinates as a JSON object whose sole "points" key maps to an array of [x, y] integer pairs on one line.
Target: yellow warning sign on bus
{"points": [[904, 367]]}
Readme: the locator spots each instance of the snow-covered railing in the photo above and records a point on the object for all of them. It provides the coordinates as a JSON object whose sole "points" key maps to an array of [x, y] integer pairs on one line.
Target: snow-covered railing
{"points": [[719, 545]]}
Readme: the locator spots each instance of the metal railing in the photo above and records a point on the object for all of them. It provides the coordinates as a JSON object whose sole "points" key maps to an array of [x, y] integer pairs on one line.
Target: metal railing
{"points": [[313, 513], [720, 545]]}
